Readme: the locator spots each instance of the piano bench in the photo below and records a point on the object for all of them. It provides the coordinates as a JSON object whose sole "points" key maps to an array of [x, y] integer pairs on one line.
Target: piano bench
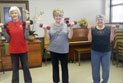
{"points": [[80, 51]]}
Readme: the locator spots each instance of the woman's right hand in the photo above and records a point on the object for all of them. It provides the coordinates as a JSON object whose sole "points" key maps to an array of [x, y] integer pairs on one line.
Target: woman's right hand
{"points": [[89, 27], [44, 27], [1, 25]]}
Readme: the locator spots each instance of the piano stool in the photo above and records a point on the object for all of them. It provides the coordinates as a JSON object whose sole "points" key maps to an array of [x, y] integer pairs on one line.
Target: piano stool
{"points": [[79, 51]]}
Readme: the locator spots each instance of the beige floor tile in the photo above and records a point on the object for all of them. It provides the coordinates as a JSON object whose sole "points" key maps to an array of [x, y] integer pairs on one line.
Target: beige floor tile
{"points": [[77, 74]]}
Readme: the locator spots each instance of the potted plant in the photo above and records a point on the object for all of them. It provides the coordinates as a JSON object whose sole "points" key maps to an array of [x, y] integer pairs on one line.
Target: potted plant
{"points": [[35, 19], [83, 22], [32, 35]]}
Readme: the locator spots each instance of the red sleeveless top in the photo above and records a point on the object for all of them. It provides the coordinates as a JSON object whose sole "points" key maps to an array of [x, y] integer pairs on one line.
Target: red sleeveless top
{"points": [[17, 42]]}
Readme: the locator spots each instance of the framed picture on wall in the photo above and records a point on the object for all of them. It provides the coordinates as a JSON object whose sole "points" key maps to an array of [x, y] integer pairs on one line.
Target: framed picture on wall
{"points": [[7, 18]]}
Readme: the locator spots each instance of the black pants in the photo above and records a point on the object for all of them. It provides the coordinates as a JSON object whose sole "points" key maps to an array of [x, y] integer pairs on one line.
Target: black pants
{"points": [[64, 65], [15, 64]]}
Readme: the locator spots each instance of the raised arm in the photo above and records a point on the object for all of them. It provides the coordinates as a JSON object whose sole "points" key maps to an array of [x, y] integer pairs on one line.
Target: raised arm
{"points": [[89, 33], [6, 35], [70, 34], [26, 34], [112, 35], [46, 34]]}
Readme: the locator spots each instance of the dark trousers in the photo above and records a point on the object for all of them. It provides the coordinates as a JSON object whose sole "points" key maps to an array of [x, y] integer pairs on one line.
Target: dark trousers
{"points": [[15, 64], [64, 65]]}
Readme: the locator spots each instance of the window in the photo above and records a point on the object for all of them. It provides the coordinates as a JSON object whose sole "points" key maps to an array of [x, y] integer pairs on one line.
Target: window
{"points": [[116, 11]]}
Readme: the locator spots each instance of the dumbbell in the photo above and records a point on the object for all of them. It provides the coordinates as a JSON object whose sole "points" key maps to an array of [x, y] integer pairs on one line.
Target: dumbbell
{"points": [[66, 20], [75, 22], [48, 27], [109, 26], [6, 25], [24, 23], [117, 25]]}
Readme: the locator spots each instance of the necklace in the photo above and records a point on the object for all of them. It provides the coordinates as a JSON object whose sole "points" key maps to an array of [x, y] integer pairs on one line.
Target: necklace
{"points": [[100, 28]]}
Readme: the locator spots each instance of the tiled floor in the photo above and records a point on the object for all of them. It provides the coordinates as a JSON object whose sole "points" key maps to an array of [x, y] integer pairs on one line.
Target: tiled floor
{"points": [[77, 74]]}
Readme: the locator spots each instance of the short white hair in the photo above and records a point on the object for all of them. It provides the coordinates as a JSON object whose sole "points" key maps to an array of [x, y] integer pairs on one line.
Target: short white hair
{"points": [[12, 8]]}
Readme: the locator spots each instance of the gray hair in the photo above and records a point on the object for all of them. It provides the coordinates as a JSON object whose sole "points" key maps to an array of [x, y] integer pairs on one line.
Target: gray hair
{"points": [[99, 16], [14, 8]]}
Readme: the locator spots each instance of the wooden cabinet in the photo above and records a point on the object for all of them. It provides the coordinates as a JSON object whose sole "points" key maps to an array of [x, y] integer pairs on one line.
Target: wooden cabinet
{"points": [[6, 60], [34, 55]]}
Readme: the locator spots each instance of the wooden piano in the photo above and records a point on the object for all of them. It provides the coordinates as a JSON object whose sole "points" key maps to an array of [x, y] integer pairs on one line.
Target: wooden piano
{"points": [[79, 40]]}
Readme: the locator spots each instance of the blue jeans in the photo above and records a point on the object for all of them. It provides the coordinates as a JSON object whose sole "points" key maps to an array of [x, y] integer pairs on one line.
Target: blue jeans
{"points": [[102, 58], [15, 64]]}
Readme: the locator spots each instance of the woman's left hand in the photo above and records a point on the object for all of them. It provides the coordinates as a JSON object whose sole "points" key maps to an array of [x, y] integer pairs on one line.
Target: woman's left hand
{"points": [[72, 24], [27, 24], [113, 27]]}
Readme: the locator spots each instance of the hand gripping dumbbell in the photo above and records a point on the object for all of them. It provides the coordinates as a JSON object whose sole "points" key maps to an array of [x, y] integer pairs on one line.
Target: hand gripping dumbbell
{"points": [[75, 22], [109, 26], [24, 23], [117, 25], [6, 25], [48, 27]]}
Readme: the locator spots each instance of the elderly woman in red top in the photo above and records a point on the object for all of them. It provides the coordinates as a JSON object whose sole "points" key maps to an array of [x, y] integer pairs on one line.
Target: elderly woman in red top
{"points": [[17, 33]]}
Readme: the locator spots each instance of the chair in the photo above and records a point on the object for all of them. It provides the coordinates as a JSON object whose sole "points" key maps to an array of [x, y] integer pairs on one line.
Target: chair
{"points": [[80, 51], [117, 45], [119, 52], [46, 51], [113, 52]]}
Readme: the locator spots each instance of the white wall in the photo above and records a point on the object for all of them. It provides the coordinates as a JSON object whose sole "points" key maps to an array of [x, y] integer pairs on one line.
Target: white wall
{"points": [[107, 10], [74, 9]]}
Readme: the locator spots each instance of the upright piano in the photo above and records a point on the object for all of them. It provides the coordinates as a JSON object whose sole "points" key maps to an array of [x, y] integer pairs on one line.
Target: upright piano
{"points": [[79, 40]]}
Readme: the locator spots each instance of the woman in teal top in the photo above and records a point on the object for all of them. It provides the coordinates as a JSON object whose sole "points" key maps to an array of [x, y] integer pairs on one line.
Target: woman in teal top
{"points": [[100, 36]]}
